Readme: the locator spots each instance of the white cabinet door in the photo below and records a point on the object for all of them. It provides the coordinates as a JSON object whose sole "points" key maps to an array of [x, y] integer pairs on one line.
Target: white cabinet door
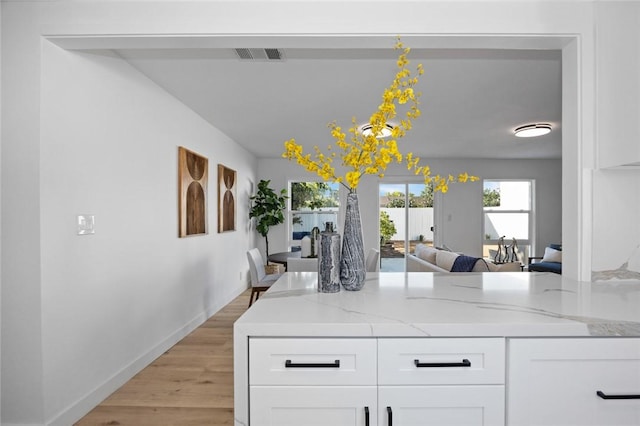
{"points": [[554, 382], [313, 406], [441, 405]]}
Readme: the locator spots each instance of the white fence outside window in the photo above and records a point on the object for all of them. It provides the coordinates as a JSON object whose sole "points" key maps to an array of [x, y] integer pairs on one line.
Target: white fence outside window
{"points": [[420, 222]]}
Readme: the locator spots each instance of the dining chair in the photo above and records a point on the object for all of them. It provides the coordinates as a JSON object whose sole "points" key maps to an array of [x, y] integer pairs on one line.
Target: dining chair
{"points": [[260, 280], [372, 263], [302, 265]]}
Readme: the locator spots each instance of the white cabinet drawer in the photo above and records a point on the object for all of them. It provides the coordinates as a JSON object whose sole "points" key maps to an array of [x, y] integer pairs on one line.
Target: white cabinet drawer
{"points": [[435, 361], [555, 382], [314, 361]]}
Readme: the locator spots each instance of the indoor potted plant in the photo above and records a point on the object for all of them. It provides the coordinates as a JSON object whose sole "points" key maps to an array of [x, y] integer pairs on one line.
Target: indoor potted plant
{"points": [[267, 207]]}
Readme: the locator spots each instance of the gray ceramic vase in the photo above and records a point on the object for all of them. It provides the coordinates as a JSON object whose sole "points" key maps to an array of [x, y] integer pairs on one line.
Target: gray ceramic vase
{"points": [[329, 261], [352, 267]]}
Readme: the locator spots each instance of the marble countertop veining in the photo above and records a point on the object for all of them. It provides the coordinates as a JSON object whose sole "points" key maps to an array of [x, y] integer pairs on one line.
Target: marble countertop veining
{"points": [[461, 304]]}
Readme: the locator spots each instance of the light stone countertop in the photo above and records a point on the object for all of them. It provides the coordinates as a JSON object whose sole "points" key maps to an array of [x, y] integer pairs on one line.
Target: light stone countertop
{"points": [[462, 304]]}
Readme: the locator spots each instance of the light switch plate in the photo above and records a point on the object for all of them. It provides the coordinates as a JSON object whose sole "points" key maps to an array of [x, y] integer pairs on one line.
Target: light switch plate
{"points": [[86, 224]]}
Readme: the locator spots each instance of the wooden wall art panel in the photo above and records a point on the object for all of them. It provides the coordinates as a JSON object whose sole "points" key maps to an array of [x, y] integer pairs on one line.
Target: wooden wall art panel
{"points": [[227, 183], [193, 173]]}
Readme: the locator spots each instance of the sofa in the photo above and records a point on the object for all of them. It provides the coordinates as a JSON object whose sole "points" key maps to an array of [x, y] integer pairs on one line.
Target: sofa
{"points": [[430, 259], [550, 262]]}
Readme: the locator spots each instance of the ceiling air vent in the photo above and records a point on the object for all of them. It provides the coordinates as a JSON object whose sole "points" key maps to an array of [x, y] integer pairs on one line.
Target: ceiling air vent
{"points": [[259, 54], [273, 54]]}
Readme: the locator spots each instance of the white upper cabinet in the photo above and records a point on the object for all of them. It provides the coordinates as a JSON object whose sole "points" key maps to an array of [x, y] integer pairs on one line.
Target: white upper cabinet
{"points": [[618, 84]]}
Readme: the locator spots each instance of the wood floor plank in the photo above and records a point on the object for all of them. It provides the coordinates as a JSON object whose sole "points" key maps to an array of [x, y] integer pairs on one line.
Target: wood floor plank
{"points": [[165, 416], [191, 384]]}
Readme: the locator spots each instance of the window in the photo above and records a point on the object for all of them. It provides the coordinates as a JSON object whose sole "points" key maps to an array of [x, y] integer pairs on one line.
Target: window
{"points": [[311, 204], [508, 214]]}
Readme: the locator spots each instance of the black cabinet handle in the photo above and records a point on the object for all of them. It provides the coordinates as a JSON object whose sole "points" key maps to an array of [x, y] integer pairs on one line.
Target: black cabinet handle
{"points": [[605, 396], [366, 416], [389, 416], [465, 363], [334, 364]]}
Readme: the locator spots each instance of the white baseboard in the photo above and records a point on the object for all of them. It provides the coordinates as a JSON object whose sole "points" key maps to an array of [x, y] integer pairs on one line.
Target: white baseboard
{"points": [[84, 405], [21, 424]]}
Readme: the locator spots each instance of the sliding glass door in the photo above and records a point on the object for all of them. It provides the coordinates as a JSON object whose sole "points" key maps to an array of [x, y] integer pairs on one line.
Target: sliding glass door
{"points": [[406, 219]]}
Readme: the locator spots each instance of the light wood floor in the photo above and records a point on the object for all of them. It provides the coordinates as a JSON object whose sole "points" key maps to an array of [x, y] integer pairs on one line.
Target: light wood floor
{"points": [[190, 384]]}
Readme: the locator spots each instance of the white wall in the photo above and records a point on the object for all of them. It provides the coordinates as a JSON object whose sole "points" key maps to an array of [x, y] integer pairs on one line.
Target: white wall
{"points": [[22, 356], [458, 213], [0, 209], [82, 314], [109, 147]]}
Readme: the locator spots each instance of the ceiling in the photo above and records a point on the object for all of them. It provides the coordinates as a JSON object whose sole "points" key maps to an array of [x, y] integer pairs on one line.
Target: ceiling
{"points": [[472, 98]]}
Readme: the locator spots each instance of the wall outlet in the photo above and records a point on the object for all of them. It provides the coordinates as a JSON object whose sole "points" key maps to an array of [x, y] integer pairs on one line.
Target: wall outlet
{"points": [[86, 224]]}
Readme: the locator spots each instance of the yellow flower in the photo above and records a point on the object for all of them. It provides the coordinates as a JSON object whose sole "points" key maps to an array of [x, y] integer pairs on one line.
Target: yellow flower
{"points": [[370, 155], [352, 178]]}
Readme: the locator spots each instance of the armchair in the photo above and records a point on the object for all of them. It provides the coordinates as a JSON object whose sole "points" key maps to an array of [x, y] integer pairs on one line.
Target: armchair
{"points": [[550, 262], [372, 262], [260, 280]]}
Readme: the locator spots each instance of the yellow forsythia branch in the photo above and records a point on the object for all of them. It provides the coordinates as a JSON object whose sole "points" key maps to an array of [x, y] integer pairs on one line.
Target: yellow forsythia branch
{"points": [[370, 155]]}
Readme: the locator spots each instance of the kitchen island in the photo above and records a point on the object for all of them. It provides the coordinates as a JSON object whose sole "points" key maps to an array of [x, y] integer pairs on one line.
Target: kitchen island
{"points": [[424, 348]]}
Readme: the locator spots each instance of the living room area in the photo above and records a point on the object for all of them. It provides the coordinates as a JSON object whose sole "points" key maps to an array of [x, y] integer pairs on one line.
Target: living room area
{"points": [[511, 224], [458, 219], [519, 199]]}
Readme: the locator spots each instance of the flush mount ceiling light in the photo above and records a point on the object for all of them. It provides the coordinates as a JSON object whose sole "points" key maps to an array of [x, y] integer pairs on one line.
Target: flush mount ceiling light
{"points": [[532, 130], [366, 130]]}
